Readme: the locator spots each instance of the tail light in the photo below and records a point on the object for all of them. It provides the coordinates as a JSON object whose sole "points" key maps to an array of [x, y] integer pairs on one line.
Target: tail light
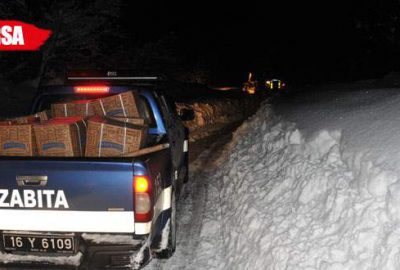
{"points": [[143, 198], [93, 89]]}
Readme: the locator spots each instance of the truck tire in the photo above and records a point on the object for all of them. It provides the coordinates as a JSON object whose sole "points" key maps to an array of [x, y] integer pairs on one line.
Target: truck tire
{"points": [[171, 246], [186, 178], [184, 173]]}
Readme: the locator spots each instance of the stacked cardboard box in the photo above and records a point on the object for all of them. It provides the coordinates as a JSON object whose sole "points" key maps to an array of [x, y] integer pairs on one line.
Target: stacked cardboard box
{"points": [[64, 136], [107, 137], [117, 130], [122, 105], [17, 140], [33, 118], [72, 108]]}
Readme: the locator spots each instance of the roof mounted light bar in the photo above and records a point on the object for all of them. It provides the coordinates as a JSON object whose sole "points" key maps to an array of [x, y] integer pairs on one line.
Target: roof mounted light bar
{"points": [[112, 78], [109, 75]]}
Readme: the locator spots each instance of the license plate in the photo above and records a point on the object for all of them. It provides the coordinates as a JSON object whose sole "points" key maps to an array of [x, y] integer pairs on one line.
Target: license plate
{"points": [[39, 243]]}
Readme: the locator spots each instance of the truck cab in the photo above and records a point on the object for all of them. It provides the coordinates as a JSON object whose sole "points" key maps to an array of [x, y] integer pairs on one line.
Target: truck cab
{"points": [[96, 213]]}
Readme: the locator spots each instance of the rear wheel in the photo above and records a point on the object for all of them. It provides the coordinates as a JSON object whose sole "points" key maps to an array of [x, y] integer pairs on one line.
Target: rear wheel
{"points": [[171, 246], [185, 173]]}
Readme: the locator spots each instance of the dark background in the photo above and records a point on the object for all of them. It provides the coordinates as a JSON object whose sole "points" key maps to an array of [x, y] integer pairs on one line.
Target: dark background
{"points": [[304, 42]]}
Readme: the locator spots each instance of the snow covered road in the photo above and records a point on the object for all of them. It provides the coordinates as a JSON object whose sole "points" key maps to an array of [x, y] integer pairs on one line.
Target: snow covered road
{"points": [[198, 209], [309, 183]]}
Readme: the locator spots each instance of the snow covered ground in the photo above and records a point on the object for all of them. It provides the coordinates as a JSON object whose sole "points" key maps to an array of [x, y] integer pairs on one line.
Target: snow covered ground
{"points": [[309, 183]]}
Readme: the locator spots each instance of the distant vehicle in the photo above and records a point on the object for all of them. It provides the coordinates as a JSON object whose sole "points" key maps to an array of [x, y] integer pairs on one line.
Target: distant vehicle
{"points": [[250, 85], [275, 84], [128, 198]]}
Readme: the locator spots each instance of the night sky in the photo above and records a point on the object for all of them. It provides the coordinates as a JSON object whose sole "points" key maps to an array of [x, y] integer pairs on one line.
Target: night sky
{"points": [[304, 41]]}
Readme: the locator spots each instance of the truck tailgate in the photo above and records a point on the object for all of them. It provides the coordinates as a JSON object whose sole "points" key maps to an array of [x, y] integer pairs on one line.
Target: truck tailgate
{"points": [[66, 195]]}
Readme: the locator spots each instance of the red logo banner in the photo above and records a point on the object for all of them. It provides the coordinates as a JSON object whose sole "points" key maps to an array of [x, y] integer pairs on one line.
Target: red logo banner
{"points": [[19, 36]]}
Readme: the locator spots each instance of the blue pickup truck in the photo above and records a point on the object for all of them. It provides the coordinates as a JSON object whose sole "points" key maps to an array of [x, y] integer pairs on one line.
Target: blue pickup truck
{"points": [[96, 213]]}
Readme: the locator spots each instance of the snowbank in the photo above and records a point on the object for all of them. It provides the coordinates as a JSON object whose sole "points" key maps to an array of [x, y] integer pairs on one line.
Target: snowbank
{"points": [[295, 199], [212, 115]]}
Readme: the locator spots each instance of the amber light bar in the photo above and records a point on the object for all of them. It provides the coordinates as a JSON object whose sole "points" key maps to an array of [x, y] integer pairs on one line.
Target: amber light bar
{"points": [[92, 89]]}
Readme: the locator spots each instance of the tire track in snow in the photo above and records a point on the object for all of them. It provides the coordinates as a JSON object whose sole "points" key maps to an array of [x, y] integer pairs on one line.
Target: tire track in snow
{"points": [[198, 208]]}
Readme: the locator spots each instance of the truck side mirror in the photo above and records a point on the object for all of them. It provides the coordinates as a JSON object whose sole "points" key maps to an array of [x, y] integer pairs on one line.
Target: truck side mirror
{"points": [[186, 114]]}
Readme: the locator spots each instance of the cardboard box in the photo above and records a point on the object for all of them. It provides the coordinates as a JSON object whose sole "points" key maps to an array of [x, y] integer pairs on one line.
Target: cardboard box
{"points": [[5, 122], [62, 136], [72, 108], [122, 105], [132, 120], [108, 138], [33, 118], [17, 140]]}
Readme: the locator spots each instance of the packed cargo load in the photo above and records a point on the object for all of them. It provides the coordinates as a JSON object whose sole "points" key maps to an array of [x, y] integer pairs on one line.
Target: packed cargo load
{"points": [[104, 127], [72, 108], [17, 140], [107, 137], [121, 105], [62, 136]]}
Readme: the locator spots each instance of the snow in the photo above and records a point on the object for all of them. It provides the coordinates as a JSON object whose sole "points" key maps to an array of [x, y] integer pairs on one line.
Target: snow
{"points": [[368, 120], [312, 183], [164, 236], [73, 260], [140, 256], [110, 239]]}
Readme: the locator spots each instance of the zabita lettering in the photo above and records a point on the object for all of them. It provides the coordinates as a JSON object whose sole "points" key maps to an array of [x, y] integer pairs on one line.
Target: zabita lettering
{"points": [[33, 199]]}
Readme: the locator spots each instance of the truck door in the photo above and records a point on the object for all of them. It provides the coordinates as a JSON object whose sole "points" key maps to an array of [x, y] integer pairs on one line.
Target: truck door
{"points": [[176, 134]]}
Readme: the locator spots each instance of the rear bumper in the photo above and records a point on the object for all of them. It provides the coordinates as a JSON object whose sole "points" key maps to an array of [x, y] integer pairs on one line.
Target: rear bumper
{"points": [[91, 255], [114, 256], [101, 251]]}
